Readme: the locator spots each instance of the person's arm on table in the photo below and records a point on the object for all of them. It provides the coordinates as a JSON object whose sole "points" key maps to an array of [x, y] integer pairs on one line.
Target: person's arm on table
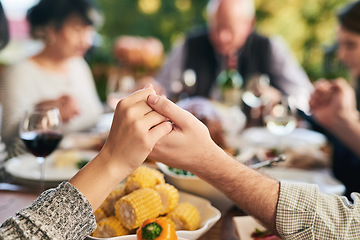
{"points": [[67, 211], [190, 147], [295, 211]]}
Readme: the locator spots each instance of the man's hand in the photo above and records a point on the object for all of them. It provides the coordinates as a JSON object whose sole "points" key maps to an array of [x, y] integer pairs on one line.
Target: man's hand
{"points": [[333, 103], [189, 140]]}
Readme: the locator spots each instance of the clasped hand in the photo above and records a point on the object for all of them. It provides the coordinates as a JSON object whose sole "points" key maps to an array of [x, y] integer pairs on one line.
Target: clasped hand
{"points": [[147, 124]]}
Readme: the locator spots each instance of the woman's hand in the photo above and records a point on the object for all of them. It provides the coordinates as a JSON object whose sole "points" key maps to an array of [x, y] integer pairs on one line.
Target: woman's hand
{"points": [[136, 128], [67, 105]]}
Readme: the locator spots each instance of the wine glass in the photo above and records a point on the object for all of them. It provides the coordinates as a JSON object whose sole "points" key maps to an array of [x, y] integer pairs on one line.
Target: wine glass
{"points": [[183, 83], [119, 86], [253, 90], [280, 118], [41, 131], [253, 98]]}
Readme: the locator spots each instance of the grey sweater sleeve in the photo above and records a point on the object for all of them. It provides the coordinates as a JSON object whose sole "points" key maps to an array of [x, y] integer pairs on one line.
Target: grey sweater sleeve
{"points": [[60, 213]]}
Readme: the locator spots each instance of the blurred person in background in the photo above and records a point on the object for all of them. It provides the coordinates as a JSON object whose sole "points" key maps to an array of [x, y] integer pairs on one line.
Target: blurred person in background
{"points": [[56, 76], [335, 104], [230, 35]]}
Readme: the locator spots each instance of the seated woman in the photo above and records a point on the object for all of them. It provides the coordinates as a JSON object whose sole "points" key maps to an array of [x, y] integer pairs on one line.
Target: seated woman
{"points": [[334, 103], [56, 76]]}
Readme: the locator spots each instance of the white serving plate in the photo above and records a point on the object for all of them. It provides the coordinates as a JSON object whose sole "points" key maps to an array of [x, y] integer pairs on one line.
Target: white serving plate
{"points": [[245, 226], [300, 137], [25, 167], [323, 178], [209, 215]]}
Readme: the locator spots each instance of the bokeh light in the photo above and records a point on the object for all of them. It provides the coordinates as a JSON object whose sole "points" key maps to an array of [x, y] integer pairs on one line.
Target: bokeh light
{"points": [[183, 5], [149, 6]]}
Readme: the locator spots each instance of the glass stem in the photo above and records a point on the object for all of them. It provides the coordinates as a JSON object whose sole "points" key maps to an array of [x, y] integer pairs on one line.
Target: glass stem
{"points": [[41, 161]]}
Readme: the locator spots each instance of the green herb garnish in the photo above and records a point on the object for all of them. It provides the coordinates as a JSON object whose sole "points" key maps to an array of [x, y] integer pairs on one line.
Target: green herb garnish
{"points": [[151, 231]]}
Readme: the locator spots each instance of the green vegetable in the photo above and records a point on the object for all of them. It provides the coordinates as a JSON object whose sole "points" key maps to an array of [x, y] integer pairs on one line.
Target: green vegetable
{"points": [[81, 163], [262, 234], [181, 171], [151, 231]]}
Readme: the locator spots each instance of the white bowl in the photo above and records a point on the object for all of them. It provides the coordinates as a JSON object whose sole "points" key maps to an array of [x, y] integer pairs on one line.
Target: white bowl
{"points": [[208, 217], [197, 186]]}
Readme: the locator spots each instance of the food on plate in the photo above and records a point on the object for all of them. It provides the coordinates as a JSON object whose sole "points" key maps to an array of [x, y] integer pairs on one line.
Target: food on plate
{"points": [[185, 216], [263, 235], [308, 158], [133, 51], [66, 158], [143, 177], [69, 158], [132, 209], [203, 110], [156, 229], [108, 205], [138, 206], [110, 227], [169, 197], [99, 214], [181, 172], [272, 153]]}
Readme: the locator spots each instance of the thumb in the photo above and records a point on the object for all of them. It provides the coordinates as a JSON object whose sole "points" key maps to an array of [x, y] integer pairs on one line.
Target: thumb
{"points": [[168, 109]]}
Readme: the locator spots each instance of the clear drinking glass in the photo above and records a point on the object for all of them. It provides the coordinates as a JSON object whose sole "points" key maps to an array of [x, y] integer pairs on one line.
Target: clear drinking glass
{"points": [[120, 85], [41, 131], [280, 118], [252, 95]]}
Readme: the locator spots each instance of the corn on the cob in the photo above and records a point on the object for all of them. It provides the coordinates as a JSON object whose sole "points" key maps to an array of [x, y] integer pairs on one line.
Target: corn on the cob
{"points": [[109, 203], [169, 197], [110, 227], [134, 208], [143, 177], [185, 216], [99, 214]]}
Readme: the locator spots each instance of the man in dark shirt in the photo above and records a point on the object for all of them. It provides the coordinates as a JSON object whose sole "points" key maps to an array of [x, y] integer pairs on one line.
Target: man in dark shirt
{"points": [[230, 33]]}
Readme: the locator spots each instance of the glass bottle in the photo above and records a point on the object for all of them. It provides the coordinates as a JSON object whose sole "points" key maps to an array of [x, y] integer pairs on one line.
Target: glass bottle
{"points": [[230, 83]]}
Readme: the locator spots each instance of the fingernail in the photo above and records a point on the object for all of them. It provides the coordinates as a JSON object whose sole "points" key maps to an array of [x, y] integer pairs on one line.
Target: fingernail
{"points": [[149, 85], [153, 99]]}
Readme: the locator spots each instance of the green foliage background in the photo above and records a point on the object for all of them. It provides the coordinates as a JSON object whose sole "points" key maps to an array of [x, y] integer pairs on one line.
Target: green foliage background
{"points": [[308, 26]]}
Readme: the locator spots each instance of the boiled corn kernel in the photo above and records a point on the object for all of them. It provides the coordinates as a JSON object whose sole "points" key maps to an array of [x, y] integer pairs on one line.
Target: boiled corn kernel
{"points": [[134, 208], [143, 177], [109, 203], [185, 216], [99, 214], [110, 227], [169, 197]]}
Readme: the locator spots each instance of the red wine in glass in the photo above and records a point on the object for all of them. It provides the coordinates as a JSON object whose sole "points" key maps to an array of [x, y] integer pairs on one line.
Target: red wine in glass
{"points": [[41, 131], [41, 143]]}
